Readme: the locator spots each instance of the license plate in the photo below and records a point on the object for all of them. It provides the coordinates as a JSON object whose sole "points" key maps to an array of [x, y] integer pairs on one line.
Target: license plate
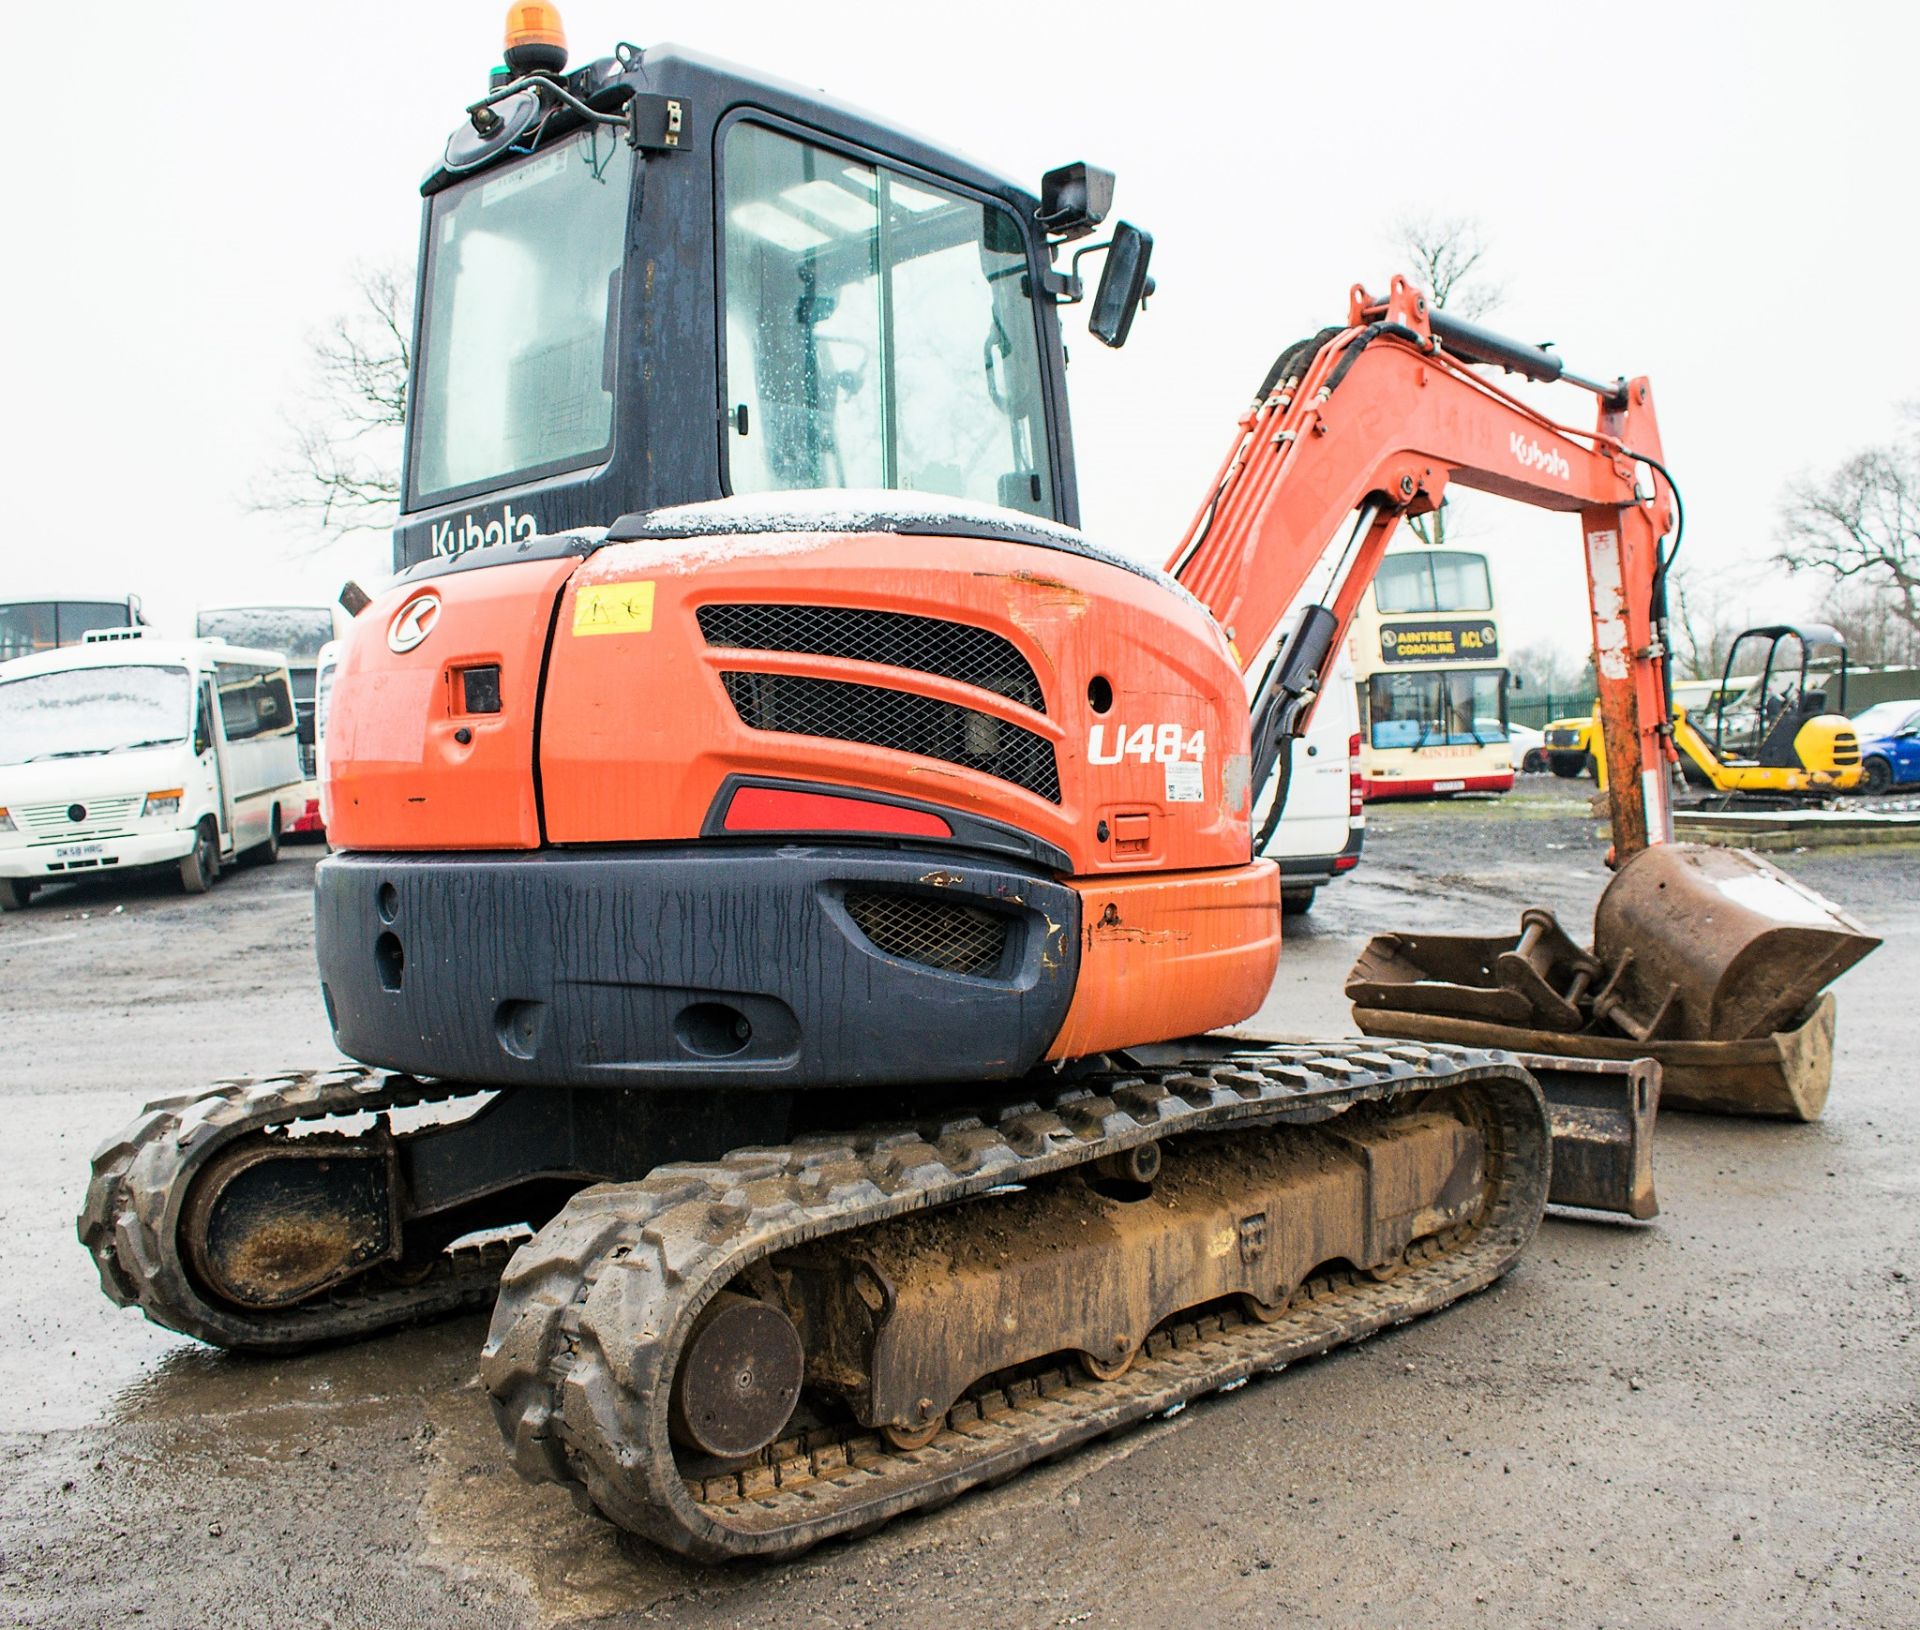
{"points": [[1449, 786], [79, 851]]}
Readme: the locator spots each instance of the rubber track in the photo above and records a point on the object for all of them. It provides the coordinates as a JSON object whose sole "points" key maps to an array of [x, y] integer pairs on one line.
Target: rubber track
{"points": [[141, 1178], [592, 1311]]}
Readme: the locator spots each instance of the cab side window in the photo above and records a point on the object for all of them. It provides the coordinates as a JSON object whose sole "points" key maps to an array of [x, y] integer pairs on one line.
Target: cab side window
{"points": [[880, 331]]}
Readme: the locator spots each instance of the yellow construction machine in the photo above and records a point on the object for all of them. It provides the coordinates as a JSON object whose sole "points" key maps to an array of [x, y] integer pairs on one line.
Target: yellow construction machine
{"points": [[1775, 736]]}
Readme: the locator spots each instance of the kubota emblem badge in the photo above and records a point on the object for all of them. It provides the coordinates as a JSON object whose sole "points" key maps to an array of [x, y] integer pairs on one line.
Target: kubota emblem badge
{"points": [[413, 622]]}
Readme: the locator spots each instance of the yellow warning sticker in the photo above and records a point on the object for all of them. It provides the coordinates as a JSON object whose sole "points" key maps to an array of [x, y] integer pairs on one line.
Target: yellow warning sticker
{"points": [[614, 608]]}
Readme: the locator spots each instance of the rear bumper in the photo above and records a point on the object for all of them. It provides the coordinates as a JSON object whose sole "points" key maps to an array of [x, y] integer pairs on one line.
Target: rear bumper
{"points": [[1437, 786], [717, 965], [1310, 871]]}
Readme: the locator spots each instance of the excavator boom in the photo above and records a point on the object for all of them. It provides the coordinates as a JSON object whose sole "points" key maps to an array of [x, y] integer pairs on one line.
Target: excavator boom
{"points": [[1381, 418]]}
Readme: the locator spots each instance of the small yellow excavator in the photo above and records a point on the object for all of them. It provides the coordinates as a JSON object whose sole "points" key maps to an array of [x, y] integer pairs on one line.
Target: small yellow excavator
{"points": [[1776, 736]]}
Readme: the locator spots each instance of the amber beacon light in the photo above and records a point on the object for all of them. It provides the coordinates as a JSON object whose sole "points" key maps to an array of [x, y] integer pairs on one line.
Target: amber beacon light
{"points": [[536, 43]]}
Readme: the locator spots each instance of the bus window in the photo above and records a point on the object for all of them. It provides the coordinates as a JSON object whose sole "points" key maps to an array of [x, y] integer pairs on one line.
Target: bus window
{"points": [[27, 626], [253, 701], [1433, 580]]}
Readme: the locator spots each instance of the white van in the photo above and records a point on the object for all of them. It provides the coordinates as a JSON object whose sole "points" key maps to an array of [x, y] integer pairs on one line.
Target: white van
{"points": [[126, 751], [299, 633], [1325, 821]]}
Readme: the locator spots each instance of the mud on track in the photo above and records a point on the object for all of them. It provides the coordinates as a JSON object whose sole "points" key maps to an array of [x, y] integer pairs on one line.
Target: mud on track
{"points": [[1711, 1418]]}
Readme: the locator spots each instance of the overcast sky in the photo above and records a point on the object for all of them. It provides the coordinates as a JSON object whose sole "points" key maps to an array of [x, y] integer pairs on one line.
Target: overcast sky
{"points": [[1720, 197]]}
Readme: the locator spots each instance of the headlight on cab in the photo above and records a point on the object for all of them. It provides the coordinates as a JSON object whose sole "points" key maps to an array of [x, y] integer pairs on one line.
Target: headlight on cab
{"points": [[162, 803], [6, 821]]}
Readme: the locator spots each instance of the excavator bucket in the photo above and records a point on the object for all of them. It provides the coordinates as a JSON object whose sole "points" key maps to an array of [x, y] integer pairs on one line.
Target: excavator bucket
{"points": [[1707, 960], [1705, 944]]}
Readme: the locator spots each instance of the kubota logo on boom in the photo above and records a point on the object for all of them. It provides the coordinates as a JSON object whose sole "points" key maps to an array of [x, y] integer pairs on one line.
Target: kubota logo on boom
{"points": [[1549, 460], [413, 622]]}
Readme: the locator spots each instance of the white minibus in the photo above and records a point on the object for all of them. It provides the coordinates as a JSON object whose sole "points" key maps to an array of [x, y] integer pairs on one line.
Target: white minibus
{"points": [[125, 752]]}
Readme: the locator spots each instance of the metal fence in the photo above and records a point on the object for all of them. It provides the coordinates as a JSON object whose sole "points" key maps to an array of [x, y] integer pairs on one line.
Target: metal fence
{"points": [[1536, 708]]}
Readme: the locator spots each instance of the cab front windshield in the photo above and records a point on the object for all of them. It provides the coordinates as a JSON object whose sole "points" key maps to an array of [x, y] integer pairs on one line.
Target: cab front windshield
{"points": [[84, 712], [519, 333]]}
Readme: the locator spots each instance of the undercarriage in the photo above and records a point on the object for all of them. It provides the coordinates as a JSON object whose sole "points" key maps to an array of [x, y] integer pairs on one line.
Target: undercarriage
{"points": [[746, 1350]]}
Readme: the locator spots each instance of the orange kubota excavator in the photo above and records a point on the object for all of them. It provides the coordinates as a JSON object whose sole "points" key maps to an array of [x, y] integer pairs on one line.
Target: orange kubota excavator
{"points": [[757, 800]]}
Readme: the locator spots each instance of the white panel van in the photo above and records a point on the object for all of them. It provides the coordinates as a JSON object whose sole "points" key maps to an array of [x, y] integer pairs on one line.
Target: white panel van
{"points": [[1324, 823], [127, 752]]}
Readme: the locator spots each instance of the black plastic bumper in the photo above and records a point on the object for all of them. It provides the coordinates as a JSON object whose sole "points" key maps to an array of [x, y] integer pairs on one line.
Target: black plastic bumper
{"points": [[701, 965], [1302, 870]]}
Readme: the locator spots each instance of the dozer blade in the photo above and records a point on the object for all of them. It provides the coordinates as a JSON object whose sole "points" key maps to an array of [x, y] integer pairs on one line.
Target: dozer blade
{"points": [[1602, 1113], [1707, 944]]}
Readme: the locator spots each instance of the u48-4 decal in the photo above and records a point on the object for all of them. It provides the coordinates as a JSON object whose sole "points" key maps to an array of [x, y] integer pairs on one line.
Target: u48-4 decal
{"points": [[1182, 753], [1149, 743]]}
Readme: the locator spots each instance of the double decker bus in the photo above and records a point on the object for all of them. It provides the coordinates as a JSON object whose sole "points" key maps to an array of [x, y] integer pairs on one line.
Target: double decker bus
{"points": [[1432, 685]]}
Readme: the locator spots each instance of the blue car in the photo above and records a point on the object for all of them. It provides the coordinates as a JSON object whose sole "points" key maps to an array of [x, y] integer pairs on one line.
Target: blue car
{"points": [[1889, 745]]}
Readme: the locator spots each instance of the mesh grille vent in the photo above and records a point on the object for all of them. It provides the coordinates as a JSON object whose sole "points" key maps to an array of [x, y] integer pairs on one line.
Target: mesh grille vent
{"points": [[973, 656], [934, 933], [897, 719]]}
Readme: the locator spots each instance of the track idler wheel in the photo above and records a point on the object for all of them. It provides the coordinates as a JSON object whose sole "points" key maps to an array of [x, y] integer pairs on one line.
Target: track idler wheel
{"points": [[273, 1223], [739, 1381]]}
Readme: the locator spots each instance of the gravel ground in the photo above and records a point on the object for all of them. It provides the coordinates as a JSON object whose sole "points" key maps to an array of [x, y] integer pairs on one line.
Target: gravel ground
{"points": [[1712, 1418]]}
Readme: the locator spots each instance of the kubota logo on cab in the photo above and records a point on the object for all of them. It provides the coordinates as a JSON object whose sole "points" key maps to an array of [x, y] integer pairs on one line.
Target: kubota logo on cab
{"points": [[413, 622], [1549, 460], [452, 538]]}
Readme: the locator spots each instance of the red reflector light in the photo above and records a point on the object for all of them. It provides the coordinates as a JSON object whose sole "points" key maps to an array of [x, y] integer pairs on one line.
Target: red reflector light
{"points": [[1345, 863], [775, 809]]}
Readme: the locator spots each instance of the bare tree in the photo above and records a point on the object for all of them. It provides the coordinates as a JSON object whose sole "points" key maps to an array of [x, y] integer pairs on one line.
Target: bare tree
{"points": [[341, 466], [1859, 526], [1870, 619], [1444, 253], [1544, 666], [1702, 624]]}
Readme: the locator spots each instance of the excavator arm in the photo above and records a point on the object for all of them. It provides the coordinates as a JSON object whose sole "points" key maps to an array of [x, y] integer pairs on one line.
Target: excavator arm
{"points": [[1380, 418]]}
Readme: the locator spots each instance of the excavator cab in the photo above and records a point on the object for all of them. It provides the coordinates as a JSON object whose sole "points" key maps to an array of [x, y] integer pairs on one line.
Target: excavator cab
{"points": [[660, 279], [1802, 677]]}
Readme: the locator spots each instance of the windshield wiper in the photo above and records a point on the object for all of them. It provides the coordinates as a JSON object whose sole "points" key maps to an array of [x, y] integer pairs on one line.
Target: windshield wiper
{"points": [[71, 752], [151, 741]]}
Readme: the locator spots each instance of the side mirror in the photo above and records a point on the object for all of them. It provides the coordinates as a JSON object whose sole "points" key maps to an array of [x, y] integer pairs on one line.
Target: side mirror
{"points": [[1124, 284]]}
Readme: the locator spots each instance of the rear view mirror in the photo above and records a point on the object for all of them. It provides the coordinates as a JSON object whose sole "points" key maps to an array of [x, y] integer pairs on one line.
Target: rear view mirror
{"points": [[1124, 284]]}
